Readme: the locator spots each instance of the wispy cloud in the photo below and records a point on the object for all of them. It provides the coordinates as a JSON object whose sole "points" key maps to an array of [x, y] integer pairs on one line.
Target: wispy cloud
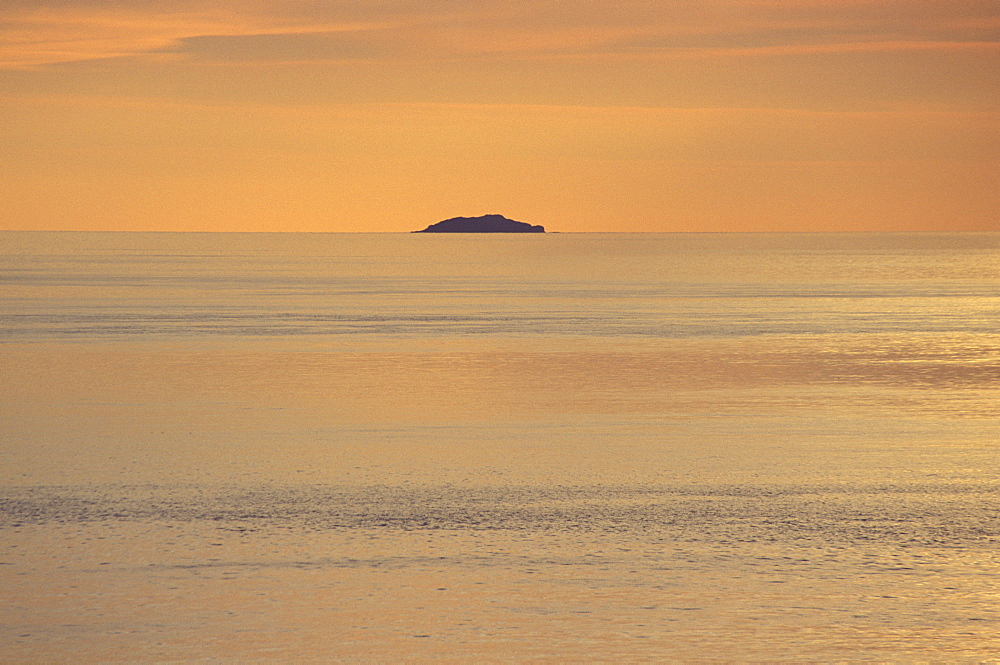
{"points": [[35, 36], [780, 50], [296, 30]]}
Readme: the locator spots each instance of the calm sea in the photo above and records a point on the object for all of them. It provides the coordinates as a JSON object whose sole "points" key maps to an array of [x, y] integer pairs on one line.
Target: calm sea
{"points": [[559, 447]]}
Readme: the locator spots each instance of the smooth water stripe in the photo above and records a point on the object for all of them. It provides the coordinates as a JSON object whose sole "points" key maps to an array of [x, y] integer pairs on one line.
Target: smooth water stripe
{"points": [[77, 287]]}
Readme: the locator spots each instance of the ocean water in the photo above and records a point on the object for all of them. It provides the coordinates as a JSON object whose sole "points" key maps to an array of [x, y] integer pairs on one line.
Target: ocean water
{"points": [[551, 448]]}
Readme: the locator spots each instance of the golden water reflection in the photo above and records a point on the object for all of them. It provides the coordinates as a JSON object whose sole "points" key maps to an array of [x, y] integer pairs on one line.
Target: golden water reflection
{"points": [[389, 447], [736, 407]]}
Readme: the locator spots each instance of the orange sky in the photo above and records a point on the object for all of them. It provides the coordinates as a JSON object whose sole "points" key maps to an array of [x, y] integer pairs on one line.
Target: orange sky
{"points": [[582, 115]]}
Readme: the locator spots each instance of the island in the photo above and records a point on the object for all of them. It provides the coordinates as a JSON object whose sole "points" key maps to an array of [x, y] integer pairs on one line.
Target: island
{"points": [[483, 224]]}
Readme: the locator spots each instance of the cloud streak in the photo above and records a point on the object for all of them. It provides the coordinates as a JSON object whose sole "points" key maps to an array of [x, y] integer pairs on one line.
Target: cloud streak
{"points": [[34, 37], [296, 31]]}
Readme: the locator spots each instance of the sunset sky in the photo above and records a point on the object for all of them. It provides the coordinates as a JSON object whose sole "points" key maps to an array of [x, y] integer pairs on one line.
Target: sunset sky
{"points": [[581, 115]]}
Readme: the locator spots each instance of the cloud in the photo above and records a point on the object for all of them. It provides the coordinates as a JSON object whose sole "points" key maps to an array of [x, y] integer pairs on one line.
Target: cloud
{"points": [[781, 50], [297, 30], [33, 36]]}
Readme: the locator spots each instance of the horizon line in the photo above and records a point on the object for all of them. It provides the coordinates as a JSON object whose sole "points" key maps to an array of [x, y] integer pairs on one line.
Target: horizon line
{"points": [[487, 233]]}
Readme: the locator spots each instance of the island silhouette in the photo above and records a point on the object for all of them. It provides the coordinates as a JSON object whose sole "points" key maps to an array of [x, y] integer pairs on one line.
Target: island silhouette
{"points": [[482, 224]]}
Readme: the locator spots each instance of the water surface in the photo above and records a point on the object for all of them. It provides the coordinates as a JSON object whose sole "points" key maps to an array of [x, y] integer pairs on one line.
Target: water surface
{"points": [[546, 447]]}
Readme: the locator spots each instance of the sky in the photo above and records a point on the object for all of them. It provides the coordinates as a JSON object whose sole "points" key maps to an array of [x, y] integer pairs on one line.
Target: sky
{"points": [[581, 115]]}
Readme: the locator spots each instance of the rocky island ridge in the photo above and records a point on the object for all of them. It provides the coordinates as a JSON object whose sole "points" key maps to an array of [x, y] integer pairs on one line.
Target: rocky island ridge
{"points": [[482, 224]]}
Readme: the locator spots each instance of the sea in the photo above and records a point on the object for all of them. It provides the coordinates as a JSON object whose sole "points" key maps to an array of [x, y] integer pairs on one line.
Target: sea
{"points": [[561, 447]]}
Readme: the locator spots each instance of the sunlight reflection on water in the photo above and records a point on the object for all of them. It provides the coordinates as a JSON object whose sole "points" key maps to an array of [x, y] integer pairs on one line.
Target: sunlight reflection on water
{"points": [[313, 447]]}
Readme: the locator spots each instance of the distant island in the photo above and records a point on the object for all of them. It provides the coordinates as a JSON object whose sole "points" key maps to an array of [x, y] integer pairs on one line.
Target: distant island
{"points": [[483, 224]]}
